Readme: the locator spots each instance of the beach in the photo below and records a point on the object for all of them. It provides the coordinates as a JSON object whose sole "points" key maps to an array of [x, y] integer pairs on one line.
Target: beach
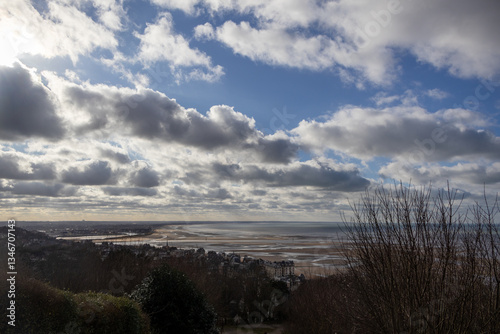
{"points": [[315, 251]]}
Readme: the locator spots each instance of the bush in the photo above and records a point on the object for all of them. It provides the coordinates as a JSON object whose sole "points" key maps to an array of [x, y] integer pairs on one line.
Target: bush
{"points": [[173, 303], [103, 313]]}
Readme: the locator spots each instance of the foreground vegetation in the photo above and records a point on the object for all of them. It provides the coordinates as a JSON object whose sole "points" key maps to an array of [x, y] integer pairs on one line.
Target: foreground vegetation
{"points": [[44, 309], [416, 262]]}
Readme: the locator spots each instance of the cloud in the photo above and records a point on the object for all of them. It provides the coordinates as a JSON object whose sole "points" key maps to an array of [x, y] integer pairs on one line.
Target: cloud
{"points": [[62, 30], [449, 39], [276, 46], [359, 39], [26, 107], [408, 98], [219, 193], [111, 13], [145, 177], [187, 6], [116, 155], [93, 173], [11, 168], [459, 174], [160, 43], [274, 149], [127, 191], [35, 188], [151, 115], [204, 31], [296, 175], [437, 94], [403, 132]]}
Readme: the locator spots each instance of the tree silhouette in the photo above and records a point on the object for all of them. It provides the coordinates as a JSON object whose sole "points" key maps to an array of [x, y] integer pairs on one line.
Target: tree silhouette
{"points": [[173, 303]]}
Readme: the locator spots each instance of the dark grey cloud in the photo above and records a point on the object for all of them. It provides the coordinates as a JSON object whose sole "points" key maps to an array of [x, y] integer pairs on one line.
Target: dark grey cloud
{"points": [[297, 175], [181, 191], [95, 173], [145, 177], [277, 150], [465, 143], [10, 169], [258, 192], [216, 193], [119, 157], [219, 193], [152, 115], [36, 188], [26, 109], [222, 127], [129, 191]]}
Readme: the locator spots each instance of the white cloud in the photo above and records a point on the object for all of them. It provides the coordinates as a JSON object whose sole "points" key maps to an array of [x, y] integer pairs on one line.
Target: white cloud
{"points": [[110, 12], [62, 31], [187, 6], [160, 43], [362, 36], [404, 132], [381, 98], [447, 34], [204, 31], [278, 46], [437, 94], [460, 174]]}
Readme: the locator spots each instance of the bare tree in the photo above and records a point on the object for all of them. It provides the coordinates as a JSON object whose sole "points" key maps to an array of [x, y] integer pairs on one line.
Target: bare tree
{"points": [[422, 263]]}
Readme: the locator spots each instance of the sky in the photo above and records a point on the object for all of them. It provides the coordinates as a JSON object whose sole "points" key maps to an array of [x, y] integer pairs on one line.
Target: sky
{"points": [[242, 109]]}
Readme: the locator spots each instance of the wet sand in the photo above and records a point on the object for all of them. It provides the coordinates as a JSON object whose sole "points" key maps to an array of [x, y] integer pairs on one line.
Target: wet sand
{"points": [[312, 255]]}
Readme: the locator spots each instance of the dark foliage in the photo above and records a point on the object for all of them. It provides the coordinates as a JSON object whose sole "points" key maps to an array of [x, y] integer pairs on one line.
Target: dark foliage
{"points": [[173, 303], [41, 308]]}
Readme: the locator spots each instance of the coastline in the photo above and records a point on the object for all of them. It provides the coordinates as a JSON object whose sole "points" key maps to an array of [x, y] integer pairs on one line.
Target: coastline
{"points": [[312, 254]]}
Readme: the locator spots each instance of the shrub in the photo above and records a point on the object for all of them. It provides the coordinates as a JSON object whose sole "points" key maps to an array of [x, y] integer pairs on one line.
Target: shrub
{"points": [[41, 308], [103, 313]]}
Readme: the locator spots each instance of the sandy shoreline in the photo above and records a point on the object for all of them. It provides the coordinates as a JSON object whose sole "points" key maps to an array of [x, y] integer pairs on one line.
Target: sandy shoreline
{"points": [[311, 254]]}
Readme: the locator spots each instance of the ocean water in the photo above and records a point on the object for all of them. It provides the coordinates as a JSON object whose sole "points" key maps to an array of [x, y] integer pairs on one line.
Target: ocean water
{"points": [[272, 228]]}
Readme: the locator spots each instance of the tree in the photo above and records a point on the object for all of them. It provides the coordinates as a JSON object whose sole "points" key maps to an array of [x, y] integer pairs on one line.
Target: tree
{"points": [[417, 261], [423, 264], [173, 303]]}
